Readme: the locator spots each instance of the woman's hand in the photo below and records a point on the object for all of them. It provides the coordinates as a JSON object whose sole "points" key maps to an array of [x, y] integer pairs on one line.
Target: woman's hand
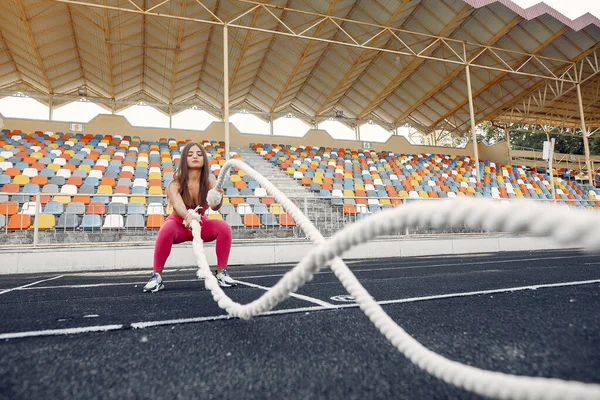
{"points": [[189, 217]]}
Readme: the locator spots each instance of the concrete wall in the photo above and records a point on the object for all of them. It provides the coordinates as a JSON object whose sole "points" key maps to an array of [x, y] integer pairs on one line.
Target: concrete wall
{"points": [[116, 124], [76, 259]]}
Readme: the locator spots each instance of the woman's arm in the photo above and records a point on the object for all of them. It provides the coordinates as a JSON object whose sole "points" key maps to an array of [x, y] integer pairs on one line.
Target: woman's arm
{"points": [[179, 207], [213, 185]]}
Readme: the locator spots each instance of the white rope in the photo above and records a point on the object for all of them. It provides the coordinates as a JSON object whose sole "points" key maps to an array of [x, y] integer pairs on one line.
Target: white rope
{"points": [[566, 225]]}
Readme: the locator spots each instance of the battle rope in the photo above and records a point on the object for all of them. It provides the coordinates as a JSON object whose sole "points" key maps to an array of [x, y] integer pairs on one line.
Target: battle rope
{"points": [[566, 225]]}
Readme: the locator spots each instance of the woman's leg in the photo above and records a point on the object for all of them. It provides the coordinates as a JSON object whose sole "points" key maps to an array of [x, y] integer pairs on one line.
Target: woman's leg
{"points": [[221, 231], [172, 232]]}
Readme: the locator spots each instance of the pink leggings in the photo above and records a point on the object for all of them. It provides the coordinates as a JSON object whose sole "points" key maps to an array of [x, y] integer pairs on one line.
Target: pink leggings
{"points": [[173, 232]]}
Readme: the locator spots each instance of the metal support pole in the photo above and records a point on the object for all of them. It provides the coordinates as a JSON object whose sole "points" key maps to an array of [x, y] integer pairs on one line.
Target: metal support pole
{"points": [[51, 108], [170, 115], [550, 159], [507, 139], [36, 222], [586, 144], [473, 129], [226, 88]]}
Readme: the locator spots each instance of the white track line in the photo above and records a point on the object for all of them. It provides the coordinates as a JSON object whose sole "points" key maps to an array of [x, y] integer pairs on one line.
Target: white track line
{"points": [[30, 284], [138, 325], [296, 295], [65, 331]]}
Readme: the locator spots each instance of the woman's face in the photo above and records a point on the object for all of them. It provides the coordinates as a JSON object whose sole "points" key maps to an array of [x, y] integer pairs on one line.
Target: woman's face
{"points": [[195, 159]]}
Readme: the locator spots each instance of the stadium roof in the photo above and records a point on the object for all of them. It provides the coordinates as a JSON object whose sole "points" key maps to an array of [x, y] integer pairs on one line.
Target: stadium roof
{"points": [[391, 61]]}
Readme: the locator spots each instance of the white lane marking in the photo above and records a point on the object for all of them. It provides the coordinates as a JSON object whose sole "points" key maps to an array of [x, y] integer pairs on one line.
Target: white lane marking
{"points": [[296, 295], [64, 331], [478, 292], [148, 324], [30, 284]]}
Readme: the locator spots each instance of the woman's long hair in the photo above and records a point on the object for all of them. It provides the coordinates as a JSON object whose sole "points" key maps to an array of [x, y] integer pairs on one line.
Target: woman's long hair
{"points": [[181, 176]]}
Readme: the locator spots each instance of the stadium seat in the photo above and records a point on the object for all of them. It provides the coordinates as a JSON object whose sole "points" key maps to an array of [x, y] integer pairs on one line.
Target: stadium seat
{"points": [[286, 220], [19, 222], [46, 221], [252, 221], [113, 221], [135, 221], [269, 220], [9, 208], [91, 221], [234, 220], [54, 208], [30, 209], [155, 221], [96, 208]]}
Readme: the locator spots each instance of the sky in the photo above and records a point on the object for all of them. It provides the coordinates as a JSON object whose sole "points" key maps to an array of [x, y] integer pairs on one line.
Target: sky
{"points": [[569, 8]]}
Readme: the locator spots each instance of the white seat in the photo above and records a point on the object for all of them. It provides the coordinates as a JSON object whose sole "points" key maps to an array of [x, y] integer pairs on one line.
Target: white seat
{"points": [[66, 173], [95, 173], [68, 189], [29, 208], [244, 208], [113, 221], [30, 172], [140, 182], [155, 209], [261, 192]]}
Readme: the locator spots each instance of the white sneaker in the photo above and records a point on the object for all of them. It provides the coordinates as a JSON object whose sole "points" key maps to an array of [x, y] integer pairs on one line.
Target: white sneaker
{"points": [[155, 283], [224, 279]]}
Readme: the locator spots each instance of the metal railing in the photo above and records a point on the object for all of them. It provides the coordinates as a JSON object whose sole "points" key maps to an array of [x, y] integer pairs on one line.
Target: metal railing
{"points": [[113, 225]]}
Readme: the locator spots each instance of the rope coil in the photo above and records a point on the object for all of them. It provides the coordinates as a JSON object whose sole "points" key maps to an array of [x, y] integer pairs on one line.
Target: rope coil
{"points": [[543, 220]]}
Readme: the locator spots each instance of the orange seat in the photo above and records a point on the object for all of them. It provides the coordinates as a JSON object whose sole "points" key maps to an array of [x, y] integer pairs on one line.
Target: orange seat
{"points": [[75, 180], [9, 208], [108, 181], [11, 188], [267, 200], [251, 220], [40, 180], [81, 199], [12, 172], [155, 221], [18, 222], [240, 185], [306, 181], [96, 208], [349, 209], [236, 200]]}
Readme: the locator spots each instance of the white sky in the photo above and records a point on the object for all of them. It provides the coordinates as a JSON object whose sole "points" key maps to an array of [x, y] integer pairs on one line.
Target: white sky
{"points": [[569, 8]]}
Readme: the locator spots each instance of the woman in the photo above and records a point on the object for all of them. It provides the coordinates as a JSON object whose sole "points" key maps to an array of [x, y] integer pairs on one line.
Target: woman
{"points": [[188, 190]]}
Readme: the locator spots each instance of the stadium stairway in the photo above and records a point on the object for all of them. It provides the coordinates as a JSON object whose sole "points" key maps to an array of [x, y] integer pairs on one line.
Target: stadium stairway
{"points": [[317, 209]]}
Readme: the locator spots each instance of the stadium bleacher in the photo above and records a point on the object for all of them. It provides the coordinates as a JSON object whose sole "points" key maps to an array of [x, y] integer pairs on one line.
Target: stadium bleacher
{"points": [[112, 182]]}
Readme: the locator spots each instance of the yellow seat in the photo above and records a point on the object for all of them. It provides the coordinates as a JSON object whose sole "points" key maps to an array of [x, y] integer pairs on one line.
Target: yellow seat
{"points": [[21, 180], [46, 221], [215, 216], [349, 193], [86, 168], [154, 175], [54, 167], [235, 178], [105, 189], [276, 209], [403, 194], [290, 171], [155, 190], [138, 199], [62, 199], [359, 186]]}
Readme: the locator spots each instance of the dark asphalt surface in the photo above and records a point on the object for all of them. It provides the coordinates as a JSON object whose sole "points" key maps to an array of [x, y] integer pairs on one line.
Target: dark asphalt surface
{"points": [[300, 354]]}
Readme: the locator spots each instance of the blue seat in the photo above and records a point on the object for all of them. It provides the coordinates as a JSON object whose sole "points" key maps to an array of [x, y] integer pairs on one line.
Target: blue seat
{"points": [[54, 208], [91, 221], [136, 208]]}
